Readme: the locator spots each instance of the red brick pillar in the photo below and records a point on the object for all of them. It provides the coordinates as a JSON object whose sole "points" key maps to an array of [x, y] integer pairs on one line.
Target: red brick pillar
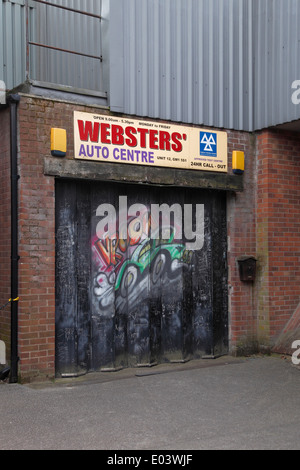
{"points": [[36, 243], [278, 231]]}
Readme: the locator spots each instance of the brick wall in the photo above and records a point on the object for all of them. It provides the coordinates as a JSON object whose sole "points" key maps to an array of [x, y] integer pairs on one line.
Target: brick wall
{"points": [[278, 227], [5, 230], [37, 237], [36, 244], [263, 221], [242, 241], [37, 233]]}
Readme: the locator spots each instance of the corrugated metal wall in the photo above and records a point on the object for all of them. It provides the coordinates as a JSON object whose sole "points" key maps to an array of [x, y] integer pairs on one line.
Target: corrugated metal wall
{"points": [[277, 60], [12, 42], [57, 28], [223, 63], [69, 30]]}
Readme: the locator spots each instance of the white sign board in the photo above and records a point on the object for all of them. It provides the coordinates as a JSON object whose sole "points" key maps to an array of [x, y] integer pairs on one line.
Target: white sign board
{"points": [[105, 138]]}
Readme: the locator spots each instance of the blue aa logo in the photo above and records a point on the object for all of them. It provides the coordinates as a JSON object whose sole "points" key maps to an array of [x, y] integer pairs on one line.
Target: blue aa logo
{"points": [[208, 144]]}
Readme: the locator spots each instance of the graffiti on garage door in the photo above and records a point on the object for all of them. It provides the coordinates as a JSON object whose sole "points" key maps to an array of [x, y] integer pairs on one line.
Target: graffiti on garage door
{"points": [[125, 256], [141, 275]]}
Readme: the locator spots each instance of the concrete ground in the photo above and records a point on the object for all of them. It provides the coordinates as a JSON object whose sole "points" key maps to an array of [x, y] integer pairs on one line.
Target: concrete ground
{"points": [[227, 403]]}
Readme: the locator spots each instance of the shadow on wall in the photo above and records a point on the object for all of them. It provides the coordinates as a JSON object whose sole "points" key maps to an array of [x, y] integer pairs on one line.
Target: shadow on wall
{"points": [[289, 334]]}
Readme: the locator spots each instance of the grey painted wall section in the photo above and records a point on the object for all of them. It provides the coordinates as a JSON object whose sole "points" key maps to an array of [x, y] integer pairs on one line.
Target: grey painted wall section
{"points": [[222, 63]]}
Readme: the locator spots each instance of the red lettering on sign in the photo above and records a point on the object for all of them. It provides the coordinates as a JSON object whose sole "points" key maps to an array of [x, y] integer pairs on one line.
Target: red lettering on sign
{"points": [[88, 131], [164, 141], [177, 145], [153, 140], [143, 133], [132, 140], [117, 135], [105, 133]]}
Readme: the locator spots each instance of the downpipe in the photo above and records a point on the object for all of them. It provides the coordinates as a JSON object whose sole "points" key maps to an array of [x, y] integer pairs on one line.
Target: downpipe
{"points": [[13, 101]]}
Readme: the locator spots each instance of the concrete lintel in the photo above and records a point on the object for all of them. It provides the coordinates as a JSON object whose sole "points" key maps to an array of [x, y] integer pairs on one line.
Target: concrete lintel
{"points": [[134, 174]]}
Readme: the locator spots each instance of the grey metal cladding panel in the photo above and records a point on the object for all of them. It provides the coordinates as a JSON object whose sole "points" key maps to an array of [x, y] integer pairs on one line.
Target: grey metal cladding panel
{"points": [[183, 60], [223, 63], [277, 61], [12, 44], [69, 30]]}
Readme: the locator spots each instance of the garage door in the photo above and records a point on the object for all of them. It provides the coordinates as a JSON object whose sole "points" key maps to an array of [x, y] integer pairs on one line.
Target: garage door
{"points": [[141, 276]]}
